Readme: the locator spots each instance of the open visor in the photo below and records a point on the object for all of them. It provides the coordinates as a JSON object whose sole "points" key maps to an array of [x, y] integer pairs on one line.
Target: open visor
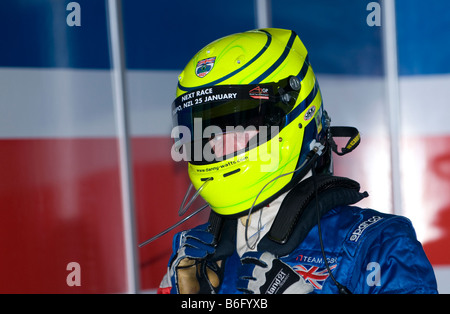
{"points": [[213, 112]]}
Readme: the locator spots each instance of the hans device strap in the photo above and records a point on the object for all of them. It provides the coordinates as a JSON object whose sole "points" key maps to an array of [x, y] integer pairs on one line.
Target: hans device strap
{"points": [[344, 131], [297, 214]]}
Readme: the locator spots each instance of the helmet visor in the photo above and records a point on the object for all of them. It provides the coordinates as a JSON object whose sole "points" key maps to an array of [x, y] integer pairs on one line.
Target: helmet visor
{"points": [[209, 113]]}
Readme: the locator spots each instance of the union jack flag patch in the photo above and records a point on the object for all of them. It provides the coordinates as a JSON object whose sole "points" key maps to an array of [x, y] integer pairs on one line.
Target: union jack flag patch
{"points": [[314, 274]]}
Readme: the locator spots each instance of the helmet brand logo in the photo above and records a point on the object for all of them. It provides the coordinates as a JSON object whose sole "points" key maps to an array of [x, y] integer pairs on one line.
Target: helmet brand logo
{"points": [[204, 66], [259, 93]]}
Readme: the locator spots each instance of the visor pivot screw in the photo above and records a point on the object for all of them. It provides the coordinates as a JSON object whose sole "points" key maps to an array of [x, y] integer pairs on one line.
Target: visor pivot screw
{"points": [[300, 126], [286, 98], [294, 82], [280, 139]]}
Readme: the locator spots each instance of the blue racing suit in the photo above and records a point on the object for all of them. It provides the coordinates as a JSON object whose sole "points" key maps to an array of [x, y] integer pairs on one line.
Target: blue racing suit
{"points": [[367, 251]]}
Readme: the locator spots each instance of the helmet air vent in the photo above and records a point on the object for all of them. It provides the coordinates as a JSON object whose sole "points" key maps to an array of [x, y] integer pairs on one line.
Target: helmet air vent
{"points": [[231, 172]]}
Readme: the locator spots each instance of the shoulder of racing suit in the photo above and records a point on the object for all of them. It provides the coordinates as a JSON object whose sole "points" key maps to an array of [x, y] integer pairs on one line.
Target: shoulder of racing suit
{"points": [[367, 251]]}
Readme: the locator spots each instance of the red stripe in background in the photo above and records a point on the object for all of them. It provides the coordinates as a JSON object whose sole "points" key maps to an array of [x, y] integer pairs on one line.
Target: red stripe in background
{"points": [[60, 203], [435, 192]]}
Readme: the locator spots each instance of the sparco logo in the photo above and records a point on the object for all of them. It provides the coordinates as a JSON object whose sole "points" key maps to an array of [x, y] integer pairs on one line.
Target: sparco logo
{"points": [[277, 282], [363, 226]]}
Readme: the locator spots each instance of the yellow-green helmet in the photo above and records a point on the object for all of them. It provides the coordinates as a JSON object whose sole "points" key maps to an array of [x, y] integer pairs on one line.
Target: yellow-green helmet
{"points": [[256, 80]]}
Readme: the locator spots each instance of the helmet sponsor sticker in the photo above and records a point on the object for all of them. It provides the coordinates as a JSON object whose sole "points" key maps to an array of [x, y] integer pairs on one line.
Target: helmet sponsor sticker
{"points": [[259, 93], [310, 113], [204, 66]]}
